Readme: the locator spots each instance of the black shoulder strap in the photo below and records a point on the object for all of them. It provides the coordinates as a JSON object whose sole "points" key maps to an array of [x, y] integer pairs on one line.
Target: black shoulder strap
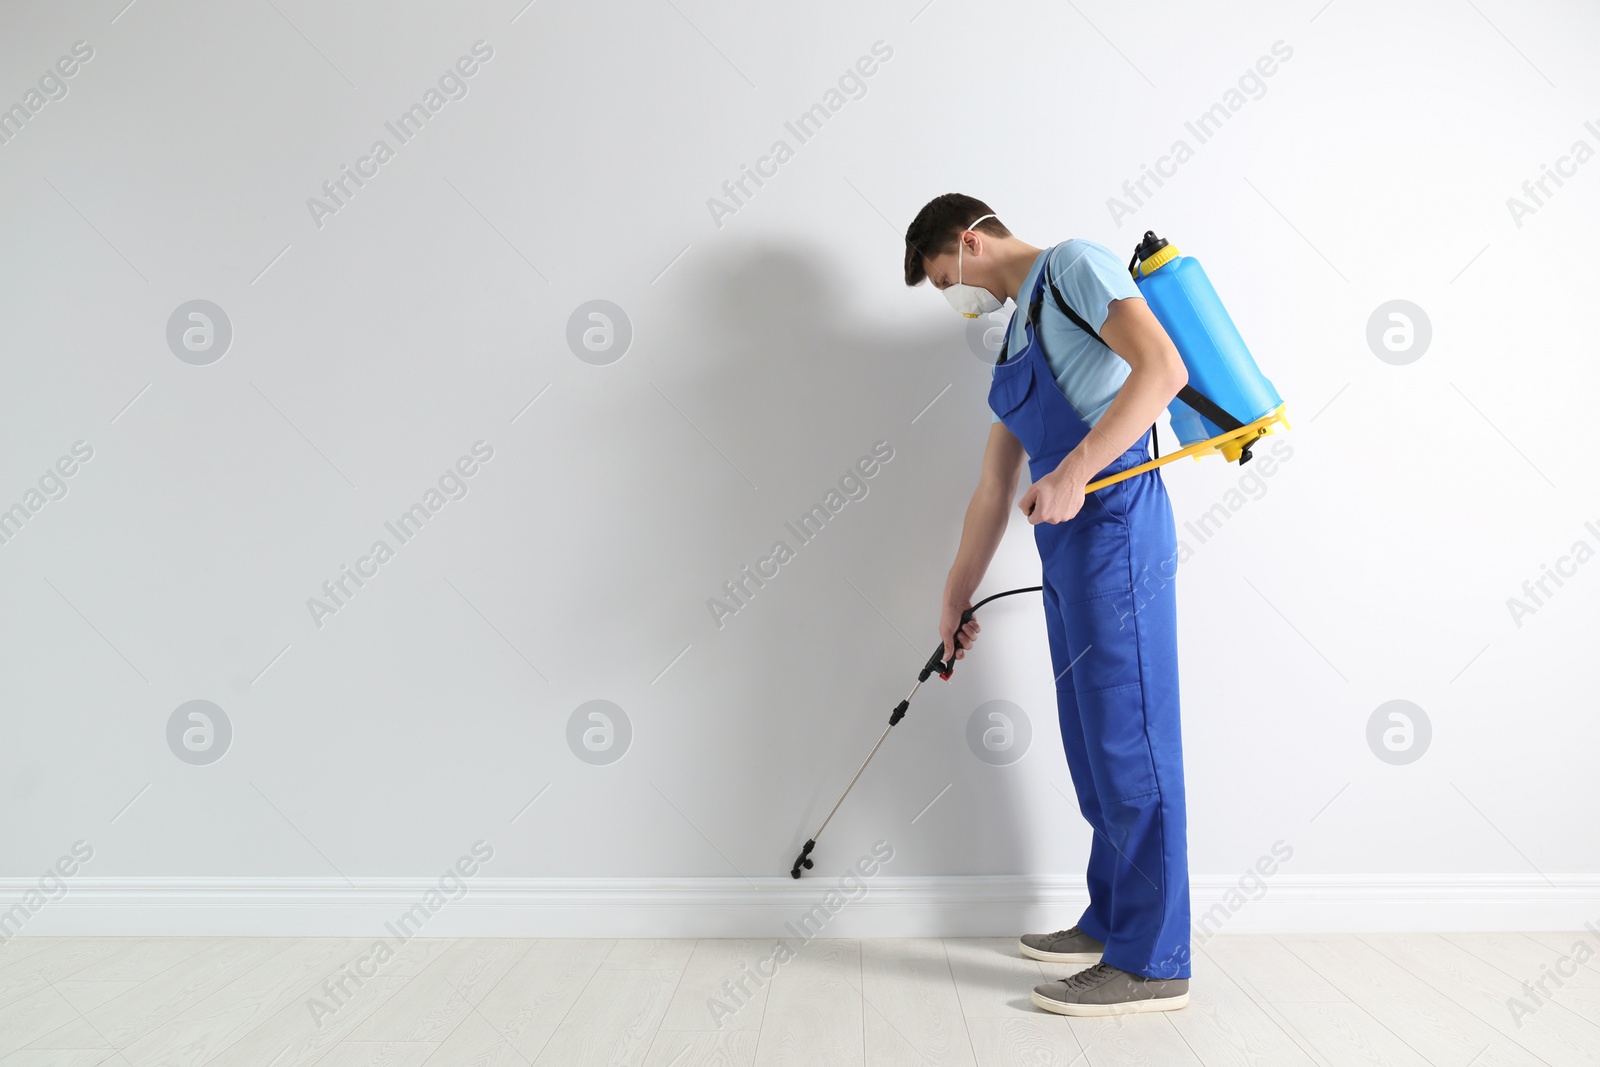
{"points": [[1188, 394], [1077, 320]]}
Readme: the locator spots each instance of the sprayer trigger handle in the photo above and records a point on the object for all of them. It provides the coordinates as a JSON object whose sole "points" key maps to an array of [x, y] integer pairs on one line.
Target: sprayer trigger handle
{"points": [[955, 639]]}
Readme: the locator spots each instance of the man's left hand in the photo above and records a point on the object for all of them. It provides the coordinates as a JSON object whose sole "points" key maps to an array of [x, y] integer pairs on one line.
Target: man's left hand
{"points": [[1056, 497]]}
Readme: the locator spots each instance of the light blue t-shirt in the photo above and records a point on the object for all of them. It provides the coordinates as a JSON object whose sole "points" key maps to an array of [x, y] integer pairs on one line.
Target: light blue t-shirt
{"points": [[1090, 276]]}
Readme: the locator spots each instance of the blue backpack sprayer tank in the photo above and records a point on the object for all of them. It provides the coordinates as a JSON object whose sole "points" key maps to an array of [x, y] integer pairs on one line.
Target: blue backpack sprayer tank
{"points": [[1228, 404], [1226, 407]]}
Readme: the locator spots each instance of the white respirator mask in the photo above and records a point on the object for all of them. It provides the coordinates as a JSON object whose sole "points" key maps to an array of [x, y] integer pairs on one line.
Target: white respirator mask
{"points": [[970, 300]]}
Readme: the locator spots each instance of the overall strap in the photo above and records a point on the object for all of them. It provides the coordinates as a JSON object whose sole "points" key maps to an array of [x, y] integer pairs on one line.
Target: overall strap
{"points": [[1033, 317]]}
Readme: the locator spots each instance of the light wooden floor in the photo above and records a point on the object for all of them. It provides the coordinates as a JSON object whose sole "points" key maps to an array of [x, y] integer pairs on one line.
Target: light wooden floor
{"points": [[1401, 999]]}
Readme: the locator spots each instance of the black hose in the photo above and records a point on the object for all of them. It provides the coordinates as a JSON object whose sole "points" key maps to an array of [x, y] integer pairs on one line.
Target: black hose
{"points": [[997, 596]]}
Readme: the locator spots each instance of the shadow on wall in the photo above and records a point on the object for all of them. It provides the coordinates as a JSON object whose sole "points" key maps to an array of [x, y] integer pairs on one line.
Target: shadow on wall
{"points": [[801, 386]]}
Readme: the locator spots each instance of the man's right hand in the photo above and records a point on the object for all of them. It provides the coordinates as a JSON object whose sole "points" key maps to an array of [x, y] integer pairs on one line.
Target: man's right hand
{"points": [[949, 618]]}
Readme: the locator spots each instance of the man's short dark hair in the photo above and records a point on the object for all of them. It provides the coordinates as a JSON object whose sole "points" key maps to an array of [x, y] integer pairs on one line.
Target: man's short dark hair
{"points": [[935, 229]]}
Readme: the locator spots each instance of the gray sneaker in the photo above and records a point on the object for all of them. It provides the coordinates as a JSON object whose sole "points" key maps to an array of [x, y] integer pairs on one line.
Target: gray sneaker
{"points": [[1105, 990], [1063, 946]]}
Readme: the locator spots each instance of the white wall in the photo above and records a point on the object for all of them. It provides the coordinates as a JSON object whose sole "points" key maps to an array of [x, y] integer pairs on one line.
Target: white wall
{"points": [[771, 348]]}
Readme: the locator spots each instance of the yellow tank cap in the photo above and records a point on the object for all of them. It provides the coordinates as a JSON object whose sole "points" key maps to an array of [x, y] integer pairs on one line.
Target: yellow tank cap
{"points": [[1159, 259]]}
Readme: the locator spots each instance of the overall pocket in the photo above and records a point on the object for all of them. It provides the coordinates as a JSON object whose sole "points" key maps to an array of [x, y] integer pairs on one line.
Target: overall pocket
{"points": [[1011, 398]]}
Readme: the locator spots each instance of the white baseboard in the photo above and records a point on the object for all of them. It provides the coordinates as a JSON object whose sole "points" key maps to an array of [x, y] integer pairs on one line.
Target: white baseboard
{"points": [[991, 905]]}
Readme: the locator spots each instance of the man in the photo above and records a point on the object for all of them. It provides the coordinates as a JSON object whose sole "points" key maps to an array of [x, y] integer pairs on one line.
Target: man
{"points": [[1082, 410]]}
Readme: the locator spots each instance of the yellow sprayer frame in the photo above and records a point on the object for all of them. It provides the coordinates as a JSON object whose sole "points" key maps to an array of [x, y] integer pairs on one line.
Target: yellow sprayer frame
{"points": [[1230, 444]]}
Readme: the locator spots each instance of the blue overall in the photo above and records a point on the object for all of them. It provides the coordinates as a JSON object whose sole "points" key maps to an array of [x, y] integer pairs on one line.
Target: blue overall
{"points": [[1110, 611]]}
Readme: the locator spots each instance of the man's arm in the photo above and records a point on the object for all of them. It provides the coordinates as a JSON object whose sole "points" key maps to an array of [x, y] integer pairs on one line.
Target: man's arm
{"points": [[980, 534], [1156, 374]]}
